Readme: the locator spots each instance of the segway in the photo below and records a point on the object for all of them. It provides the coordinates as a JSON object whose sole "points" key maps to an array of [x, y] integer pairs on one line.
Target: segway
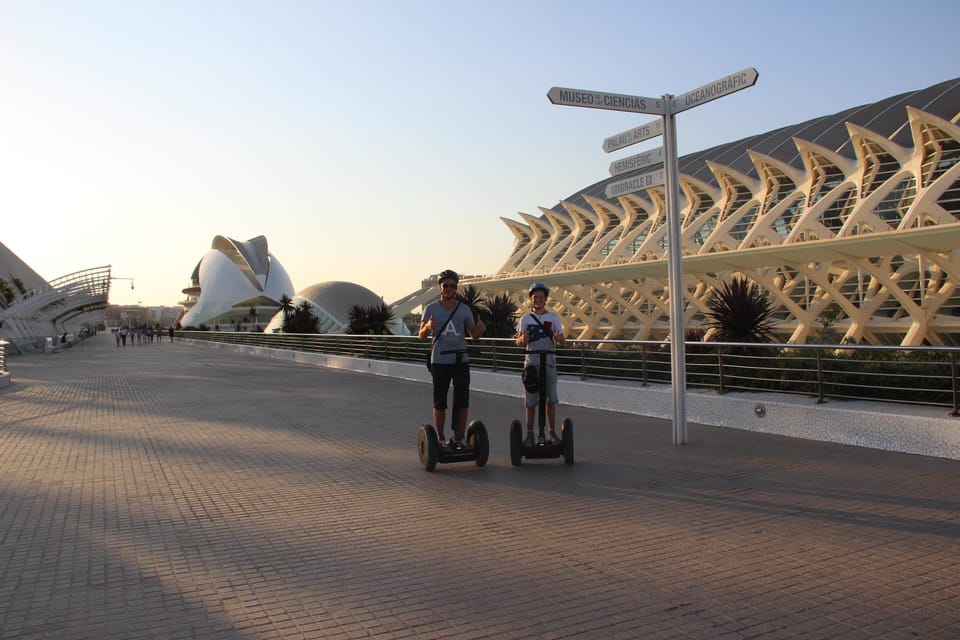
{"points": [[541, 448], [475, 445]]}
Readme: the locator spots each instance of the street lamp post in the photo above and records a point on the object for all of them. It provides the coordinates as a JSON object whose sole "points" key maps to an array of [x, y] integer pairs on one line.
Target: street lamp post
{"points": [[130, 279]]}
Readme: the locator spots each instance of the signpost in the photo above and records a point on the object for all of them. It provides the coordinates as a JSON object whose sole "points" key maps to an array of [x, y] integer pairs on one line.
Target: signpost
{"points": [[652, 129], [599, 100], [638, 161], [716, 89], [636, 183], [667, 107]]}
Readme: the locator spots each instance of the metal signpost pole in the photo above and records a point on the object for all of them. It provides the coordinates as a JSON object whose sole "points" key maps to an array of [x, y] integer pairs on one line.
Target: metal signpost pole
{"points": [[678, 359]]}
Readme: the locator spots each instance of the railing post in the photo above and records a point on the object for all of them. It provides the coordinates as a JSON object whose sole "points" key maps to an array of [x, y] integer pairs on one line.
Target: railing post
{"points": [[956, 384], [820, 386], [583, 361], [722, 380], [493, 355], [643, 365]]}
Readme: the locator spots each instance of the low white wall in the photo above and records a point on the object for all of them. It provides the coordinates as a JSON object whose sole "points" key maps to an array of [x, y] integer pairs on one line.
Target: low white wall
{"points": [[928, 431]]}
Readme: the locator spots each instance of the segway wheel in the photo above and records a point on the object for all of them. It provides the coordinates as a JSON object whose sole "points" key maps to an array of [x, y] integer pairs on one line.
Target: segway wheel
{"points": [[566, 445], [479, 441], [516, 443], [429, 447]]}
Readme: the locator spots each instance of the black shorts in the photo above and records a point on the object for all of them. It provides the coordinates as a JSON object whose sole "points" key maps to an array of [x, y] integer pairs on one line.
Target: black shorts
{"points": [[443, 374]]}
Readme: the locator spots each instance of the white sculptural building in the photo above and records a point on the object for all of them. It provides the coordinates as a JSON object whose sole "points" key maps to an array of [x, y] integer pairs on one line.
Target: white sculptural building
{"points": [[856, 212], [232, 278]]}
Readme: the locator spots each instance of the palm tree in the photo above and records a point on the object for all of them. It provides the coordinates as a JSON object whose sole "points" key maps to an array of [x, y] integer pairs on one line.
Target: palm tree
{"points": [[357, 321], [301, 320], [499, 313], [379, 318], [741, 312], [470, 296], [286, 305]]}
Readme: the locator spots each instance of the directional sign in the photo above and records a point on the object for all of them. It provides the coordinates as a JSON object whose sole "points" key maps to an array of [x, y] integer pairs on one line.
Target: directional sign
{"points": [[636, 183], [668, 175], [716, 89], [599, 100], [638, 161], [652, 129]]}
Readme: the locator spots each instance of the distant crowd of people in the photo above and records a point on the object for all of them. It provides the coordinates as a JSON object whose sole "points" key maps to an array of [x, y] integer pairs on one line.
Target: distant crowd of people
{"points": [[140, 335]]}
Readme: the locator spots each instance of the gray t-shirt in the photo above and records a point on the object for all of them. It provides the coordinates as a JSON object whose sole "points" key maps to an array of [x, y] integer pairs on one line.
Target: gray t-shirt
{"points": [[454, 336]]}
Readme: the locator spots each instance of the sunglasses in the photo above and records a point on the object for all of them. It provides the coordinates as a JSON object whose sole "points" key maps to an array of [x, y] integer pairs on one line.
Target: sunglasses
{"points": [[447, 285]]}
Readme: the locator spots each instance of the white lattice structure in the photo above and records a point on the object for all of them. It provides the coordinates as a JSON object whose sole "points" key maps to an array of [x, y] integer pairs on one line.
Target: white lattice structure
{"points": [[869, 225], [64, 305]]}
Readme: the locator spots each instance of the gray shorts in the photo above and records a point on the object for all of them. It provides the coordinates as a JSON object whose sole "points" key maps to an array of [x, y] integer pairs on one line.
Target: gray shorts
{"points": [[533, 399]]}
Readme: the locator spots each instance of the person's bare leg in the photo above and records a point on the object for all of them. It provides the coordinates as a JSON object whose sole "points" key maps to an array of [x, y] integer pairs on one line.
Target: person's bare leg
{"points": [[552, 421], [439, 418], [529, 439]]}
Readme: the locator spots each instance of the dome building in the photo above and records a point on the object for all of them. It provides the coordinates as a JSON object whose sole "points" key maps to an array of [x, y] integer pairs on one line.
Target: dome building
{"points": [[331, 303], [230, 280]]}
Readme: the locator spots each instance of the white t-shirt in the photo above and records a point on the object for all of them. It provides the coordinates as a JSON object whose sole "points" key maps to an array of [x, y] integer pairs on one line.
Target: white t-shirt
{"points": [[540, 338]]}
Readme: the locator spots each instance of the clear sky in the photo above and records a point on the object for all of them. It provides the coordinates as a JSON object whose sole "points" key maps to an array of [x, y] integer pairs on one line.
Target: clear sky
{"points": [[380, 141]]}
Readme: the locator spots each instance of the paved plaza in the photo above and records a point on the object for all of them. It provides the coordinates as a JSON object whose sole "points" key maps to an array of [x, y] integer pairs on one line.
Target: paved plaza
{"points": [[178, 491]]}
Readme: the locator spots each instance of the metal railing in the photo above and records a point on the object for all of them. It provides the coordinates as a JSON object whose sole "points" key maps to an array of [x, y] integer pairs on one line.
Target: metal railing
{"points": [[3, 356], [906, 375]]}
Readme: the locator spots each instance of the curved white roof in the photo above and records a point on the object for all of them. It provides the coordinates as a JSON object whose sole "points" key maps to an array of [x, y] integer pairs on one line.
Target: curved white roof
{"points": [[235, 275], [336, 297], [331, 302]]}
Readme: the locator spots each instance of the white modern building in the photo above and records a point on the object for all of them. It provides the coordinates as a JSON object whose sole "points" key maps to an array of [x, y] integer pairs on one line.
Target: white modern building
{"points": [[230, 280], [854, 214]]}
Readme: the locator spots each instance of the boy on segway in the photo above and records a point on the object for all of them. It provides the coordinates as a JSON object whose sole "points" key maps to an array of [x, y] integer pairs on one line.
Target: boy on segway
{"points": [[448, 321], [540, 331]]}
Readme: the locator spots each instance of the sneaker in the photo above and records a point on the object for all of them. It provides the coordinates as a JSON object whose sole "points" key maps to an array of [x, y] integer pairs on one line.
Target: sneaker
{"points": [[553, 437], [529, 441]]}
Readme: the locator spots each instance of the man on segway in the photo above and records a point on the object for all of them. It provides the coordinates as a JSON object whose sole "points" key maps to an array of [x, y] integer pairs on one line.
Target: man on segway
{"points": [[540, 331], [448, 322]]}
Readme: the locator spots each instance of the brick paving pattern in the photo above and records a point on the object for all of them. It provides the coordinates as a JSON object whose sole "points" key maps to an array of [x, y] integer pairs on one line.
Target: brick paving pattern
{"points": [[179, 491]]}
